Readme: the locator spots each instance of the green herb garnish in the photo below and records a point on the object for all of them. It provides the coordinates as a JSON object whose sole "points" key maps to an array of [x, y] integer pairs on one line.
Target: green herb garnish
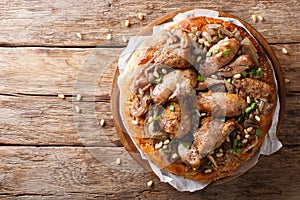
{"points": [[172, 108], [186, 145], [222, 119], [216, 51], [238, 150], [164, 150], [226, 51], [259, 72], [235, 141], [258, 132], [158, 80], [244, 73], [232, 150], [219, 34], [208, 54], [253, 105], [200, 78], [248, 109], [252, 71], [239, 118], [158, 117]]}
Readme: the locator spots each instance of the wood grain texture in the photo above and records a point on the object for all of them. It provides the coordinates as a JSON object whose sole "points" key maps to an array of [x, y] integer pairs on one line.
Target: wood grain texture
{"points": [[56, 23], [49, 151], [71, 172], [53, 121], [39, 74], [49, 71]]}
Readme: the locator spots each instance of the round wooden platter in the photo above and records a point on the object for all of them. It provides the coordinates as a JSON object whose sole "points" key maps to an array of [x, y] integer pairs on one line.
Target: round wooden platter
{"points": [[115, 93]]}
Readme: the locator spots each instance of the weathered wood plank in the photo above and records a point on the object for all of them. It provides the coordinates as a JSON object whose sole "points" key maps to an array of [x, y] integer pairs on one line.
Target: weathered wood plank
{"points": [[71, 172], [53, 121], [49, 71], [56, 23], [30, 120]]}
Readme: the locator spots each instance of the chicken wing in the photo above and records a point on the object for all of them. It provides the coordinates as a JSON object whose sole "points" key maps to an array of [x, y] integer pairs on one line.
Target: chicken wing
{"points": [[220, 55], [221, 104], [239, 65]]}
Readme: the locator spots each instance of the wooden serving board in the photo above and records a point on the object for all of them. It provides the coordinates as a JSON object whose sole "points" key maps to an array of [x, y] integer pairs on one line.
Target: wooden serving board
{"points": [[115, 93]]}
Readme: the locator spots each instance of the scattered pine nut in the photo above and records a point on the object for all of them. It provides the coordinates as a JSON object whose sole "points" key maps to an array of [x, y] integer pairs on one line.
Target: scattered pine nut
{"points": [[248, 100], [127, 23], [254, 18], [77, 109], [257, 118], [199, 59], [220, 154], [155, 74], [207, 171], [124, 39], [135, 122], [141, 16], [237, 76], [158, 145], [249, 129], [287, 80], [78, 97], [111, 117], [284, 50], [109, 36], [118, 161], [79, 35], [102, 122], [149, 183], [61, 96], [260, 18], [166, 142], [164, 71], [214, 76], [174, 155]]}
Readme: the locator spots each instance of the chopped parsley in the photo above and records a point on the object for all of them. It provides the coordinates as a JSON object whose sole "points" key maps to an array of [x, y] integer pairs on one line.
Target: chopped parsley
{"points": [[259, 72], [208, 54], [200, 78], [158, 117], [258, 132], [186, 145], [222, 119], [216, 51], [244, 73], [158, 80], [219, 34], [248, 109], [226, 51], [164, 150]]}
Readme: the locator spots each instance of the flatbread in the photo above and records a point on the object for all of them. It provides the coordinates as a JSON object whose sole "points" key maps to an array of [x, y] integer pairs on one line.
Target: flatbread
{"points": [[192, 107]]}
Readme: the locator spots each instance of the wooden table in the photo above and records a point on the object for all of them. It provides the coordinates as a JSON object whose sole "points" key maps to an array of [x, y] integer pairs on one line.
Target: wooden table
{"points": [[49, 151]]}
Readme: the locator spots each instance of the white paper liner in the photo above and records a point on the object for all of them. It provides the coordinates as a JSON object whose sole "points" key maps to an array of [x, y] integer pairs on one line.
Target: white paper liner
{"points": [[270, 145]]}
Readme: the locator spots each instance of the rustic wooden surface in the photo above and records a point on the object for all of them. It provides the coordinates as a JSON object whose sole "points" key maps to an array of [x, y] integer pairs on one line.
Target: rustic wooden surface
{"points": [[48, 151]]}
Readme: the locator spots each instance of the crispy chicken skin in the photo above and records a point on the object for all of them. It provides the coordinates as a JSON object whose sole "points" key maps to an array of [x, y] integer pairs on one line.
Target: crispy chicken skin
{"points": [[227, 49], [239, 65], [221, 104], [170, 118], [255, 89], [165, 89], [209, 137]]}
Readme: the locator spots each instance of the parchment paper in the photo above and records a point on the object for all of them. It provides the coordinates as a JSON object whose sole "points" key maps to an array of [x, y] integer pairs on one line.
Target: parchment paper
{"points": [[270, 144]]}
